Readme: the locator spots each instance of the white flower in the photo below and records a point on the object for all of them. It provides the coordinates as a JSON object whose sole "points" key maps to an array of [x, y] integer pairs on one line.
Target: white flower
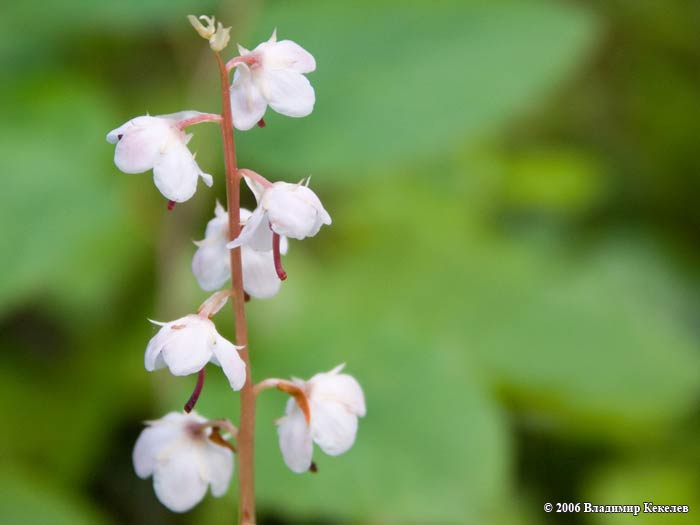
{"points": [[271, 74], [335, 402], [292, 210], [177, 452], [211, 263], [187, 344], [160, 144]]}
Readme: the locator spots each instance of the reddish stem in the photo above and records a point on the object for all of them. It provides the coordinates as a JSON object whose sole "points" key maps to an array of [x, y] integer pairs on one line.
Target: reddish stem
{"points": [[276, 256], [192, 401], [261, 123], [171, 205], [246, 432]]}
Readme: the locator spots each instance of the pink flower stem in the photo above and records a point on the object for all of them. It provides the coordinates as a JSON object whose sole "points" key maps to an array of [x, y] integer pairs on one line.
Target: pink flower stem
{"points": [[206, 117], [246, 431], [249, 59], [214, 303], [223, 424], [192, 401], [290, 388], [245, 172], [276, 256]]}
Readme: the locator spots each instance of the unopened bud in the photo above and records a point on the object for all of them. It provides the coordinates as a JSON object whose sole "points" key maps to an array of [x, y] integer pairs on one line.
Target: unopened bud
{"points": [[219, 40], [205, 32], [217, 34]]}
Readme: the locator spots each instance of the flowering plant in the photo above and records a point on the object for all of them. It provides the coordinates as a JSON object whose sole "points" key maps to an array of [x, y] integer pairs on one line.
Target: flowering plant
{"points": [[184, 452]]}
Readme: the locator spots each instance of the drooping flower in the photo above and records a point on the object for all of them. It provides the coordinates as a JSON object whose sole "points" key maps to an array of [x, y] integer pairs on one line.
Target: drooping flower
{"points": [[335, 401], [211, 263], [271, 74], [159, 143], [187, 344], [290, 210], [177, 452]]}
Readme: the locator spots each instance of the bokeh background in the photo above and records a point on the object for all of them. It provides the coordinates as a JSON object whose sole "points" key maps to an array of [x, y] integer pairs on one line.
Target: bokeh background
{"points": [[511, 272]]}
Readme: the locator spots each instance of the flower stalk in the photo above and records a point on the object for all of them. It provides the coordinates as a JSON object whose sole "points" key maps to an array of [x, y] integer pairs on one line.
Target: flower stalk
{"points": [[186, 454], [204, 117], [246, 431]]}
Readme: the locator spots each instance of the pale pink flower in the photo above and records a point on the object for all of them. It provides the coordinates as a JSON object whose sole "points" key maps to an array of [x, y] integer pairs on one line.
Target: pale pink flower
{"points": [[159, 143], [177, 452], [211, 263], [335, 402], [187, 344], [271, 74], [290, 210]]}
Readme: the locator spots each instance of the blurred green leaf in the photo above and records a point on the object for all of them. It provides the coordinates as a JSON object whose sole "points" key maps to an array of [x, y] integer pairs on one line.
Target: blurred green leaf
{"points": [[593, 341], [77, 230], [399, 84], [554, 181], [647, 480], [33, 28], [34, 499]]}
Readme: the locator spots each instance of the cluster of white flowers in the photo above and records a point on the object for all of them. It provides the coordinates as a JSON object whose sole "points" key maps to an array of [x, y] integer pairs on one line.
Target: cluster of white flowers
{"points": [[184, 452]]}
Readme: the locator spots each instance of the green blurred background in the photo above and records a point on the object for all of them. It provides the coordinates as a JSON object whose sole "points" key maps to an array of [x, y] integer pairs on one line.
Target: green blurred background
{"points": [[511, 272]]}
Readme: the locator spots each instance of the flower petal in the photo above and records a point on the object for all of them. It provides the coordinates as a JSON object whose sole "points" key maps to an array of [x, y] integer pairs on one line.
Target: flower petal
{"points": [[288, 92], [289, 212], [342, 389], [286, 54], [284, 245], [178, 480], [220, 461], [254, 186], [333, 427], [250, 235], [208, 179], [189, 348], [153, 360], [295, 439], [175, 173], [211, 266], [230, 361], [140, 144], [148, 445], [260, 278], [247, 102], [307, 195]]}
